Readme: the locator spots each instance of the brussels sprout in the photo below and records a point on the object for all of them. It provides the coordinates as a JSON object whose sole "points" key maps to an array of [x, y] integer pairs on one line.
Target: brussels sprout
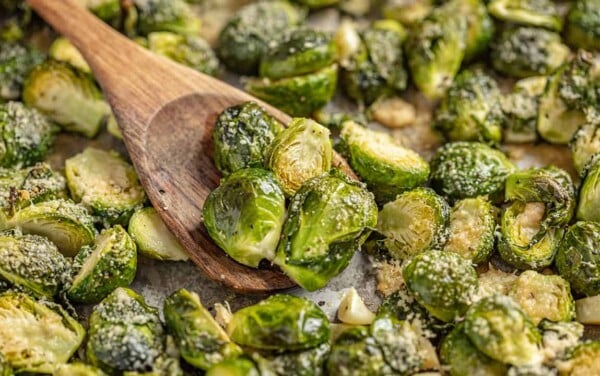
{"points": [[111, 263], [583, 359], [583, 25], [415, 222], [153, 238], [77, 369], [166, 15], [246, 37], [408, 12], [63, 50], [355, 352], [67, 97], [577, 258], [528, 51], [480, 26], [107, 10], [399, 344], [298, 363], [25, 135], [281, 322], [472, 227], [520, 110], [469, 169], [36, 336], [499, 329], [464, 114], [298, 95], [364, 84], [463, 359], [105, 183], [124, 333], [343, 211], [383, 163], [584, 145], [234, 367], [541, 13], [191, 51], [16, 61], [65, 223], [589, 195], [245, 215], [442, 282], [557, 337], [315, 4]]}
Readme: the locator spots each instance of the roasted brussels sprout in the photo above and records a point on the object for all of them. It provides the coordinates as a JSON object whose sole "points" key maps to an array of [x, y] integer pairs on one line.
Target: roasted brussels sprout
{"points": [[408, 12], [36, 336], [241, 366], [281, 323], [105, 183], [469, 169], [584, 145], [465, 112], [499, 329], [77, 369], [67, 97], [355, 352], [166, 15], [399, 343], [589, 195], [124, 334], [245, 215], [315, 4], [541, 13], [191, 51], [519, 110], [582, 359], [16, 61], [528, 51], [63, 50], [153, 238], [442, 282], [577, 258], [25, 135], [107, 10], [343, 211], [480, 26], [415, 222], [298, 363], [557, 337], [383, 163], [583, 25]]}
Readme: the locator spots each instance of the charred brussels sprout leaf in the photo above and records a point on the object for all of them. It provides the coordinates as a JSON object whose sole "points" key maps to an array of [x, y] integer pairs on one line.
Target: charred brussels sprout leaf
{"points": [[201, 341], [241, 135], [153, 238], [63, 50], [280, 322], [589, 195], [166, 15], [584, 145], [541, 13], [583, 25], [191, 51], [241, 366], [583, 359], [344, 213], [519, 110], [16, 61], [245, 214]]}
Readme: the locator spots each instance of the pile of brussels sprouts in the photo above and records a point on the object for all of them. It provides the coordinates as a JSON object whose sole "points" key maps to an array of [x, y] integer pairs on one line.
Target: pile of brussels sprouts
{"points": [[488, 268]]}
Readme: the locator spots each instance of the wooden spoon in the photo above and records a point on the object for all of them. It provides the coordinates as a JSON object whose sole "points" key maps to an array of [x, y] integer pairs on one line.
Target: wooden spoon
{"points": [[166, 112]]}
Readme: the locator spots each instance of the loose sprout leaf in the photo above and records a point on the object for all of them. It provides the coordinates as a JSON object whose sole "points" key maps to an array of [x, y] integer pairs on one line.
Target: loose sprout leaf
{"points": [[542, 13], [63, 50], [153, 237]]}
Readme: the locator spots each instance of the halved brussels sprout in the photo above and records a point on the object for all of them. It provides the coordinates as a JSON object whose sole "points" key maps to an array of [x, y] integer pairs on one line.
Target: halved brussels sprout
{"points": [[189, 50], [298, 363], [399, 344], [480, 26], [583, 25], [343, 211], [166, 15], [557, 337], [472, 228], [469, 169], [241, 136], [105, 183], [111, 263], [241, 366], [245, 215], [124, 334], [499, 329], [63, 50], [383, 42], [415, 222], [65, 223], [67, 97], [302, 151], [408, 12], [589, 194], [153, 238], [442, 282], [542, 13], [16, 61], [77, 369], [25, 135], [583, 359], [281, 323], [577, 259], [520, 110], [465, 112], [584, 145], [355, 352], [383, 163], [528, 51], [36, 336]]}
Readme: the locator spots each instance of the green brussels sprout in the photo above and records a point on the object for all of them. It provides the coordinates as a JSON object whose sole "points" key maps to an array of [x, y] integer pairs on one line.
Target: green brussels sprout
{"points": [[302, 151], [77, 369], [464, 113], [540, 13], [153, 238], [166, 15], [32, 262], [464, 359], [281, 322], [469, 169], [472, 228], [201, 341], [63, 50], [343, 211], [245, 38], [416, 221], [298, 363], [583, 359], [583, 25], [36, 336], [111, 263], [499, 329], [124, 333], [557, 337], [383, 163], [577, 258], [16, 61], [480, 26], [65, 223], [67, 97], [245, 215], [315, 4], [25, 135], [191, 51], [234, 367], [364, 84], [408, 12], [589, 195], [355, 352], [399, 344], [584, 145], [106, 10], [519, 110], [528, 51]]}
